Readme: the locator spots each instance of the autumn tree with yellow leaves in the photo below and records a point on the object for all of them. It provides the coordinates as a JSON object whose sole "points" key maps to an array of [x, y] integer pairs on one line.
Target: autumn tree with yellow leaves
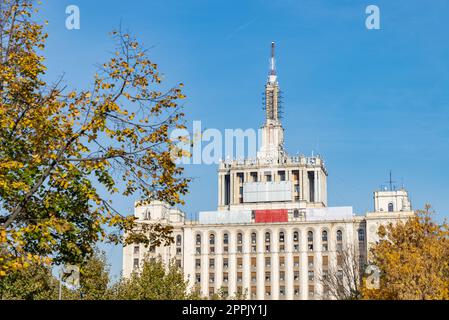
{"points": [[59, 147], [413, 258]]}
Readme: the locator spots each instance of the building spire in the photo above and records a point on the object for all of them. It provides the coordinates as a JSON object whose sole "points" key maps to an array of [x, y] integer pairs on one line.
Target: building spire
{"points": [[272, 78]]}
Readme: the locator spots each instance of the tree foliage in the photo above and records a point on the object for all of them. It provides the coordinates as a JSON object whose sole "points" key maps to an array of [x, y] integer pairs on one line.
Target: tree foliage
{"points": [[413, 258], [154, 282], [58, 148]]}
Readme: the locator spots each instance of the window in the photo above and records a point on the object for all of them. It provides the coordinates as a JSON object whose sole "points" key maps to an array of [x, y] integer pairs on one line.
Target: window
{"points": [[267, 276], [267, 248], [211, 277], [282, 261], [178, 240], [361, 233], [198, 250], [253, 277], [310, 261], [136, 249], [239, 238], [239, 262], [267, 237], [267, 262], [282, 291], [178, 251], [296, 261], [225, 238], [281, 237], [310, 236], [253, 262], [296, 236], [198, 239], [311, 275], [339, 235], [198, 278], [325, 261], [178, 263], [212, 239], [225, 277], [390, 207], [296, 212], [239, 249], [225, 263], [282, 276], [253, 238], [296, 276], [296, 292], [296, 247], [310, 240], [281, 175], [324, 236], [254, 176], [198, 263], [211, 263], [136, 263]]}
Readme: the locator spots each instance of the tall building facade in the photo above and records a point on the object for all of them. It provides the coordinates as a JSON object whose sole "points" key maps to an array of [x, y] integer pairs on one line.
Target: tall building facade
{"points": [[273, 235]]}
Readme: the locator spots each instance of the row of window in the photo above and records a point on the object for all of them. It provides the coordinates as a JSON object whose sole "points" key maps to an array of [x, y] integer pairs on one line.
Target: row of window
{"points": [[324, 237]]}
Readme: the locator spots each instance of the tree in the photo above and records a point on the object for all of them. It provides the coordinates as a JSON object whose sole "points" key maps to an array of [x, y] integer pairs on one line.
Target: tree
{"points": [[154, 282], [343, 279], [94, 280], [33, 283], [413, 258], [59, 148]]}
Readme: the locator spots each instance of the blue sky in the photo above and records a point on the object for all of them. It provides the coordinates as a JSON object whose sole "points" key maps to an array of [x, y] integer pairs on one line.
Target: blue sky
{"points": [[367, 100]]}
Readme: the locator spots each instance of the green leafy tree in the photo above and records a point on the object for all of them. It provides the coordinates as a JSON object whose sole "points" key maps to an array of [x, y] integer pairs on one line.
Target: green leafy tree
{"points": [[33, 283], [154, 282]]}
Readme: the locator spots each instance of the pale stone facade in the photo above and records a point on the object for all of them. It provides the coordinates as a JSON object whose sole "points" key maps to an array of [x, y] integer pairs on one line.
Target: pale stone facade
{"points": [[238, 250]]}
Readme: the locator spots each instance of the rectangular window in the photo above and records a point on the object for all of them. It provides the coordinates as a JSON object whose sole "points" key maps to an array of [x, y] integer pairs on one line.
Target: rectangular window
{"points": [[282, 276], [282, 291], [212, 263], [225, 277], [325, 261], [311, 275], [296, 261], [253, 262], [254, 176], [310, 261], [136, 249], [253, 277], [296, 276], [225, 263], [296, 291], [281, 175], [267, 276], [198, 263], [239, 262], [282, 261], [267, 262], [136, 263], [198, 278]]}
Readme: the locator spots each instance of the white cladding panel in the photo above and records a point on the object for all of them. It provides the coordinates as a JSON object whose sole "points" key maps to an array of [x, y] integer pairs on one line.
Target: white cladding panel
{"points": [[267, 191], [329, 213], [225, 217]]}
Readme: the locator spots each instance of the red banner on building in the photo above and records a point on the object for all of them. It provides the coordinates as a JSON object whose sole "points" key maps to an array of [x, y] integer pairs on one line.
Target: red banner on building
{"points": [[267, 216]]}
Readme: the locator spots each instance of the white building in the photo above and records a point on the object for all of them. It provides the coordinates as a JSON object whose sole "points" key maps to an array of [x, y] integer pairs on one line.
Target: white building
{"points": [[273, 234]]}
